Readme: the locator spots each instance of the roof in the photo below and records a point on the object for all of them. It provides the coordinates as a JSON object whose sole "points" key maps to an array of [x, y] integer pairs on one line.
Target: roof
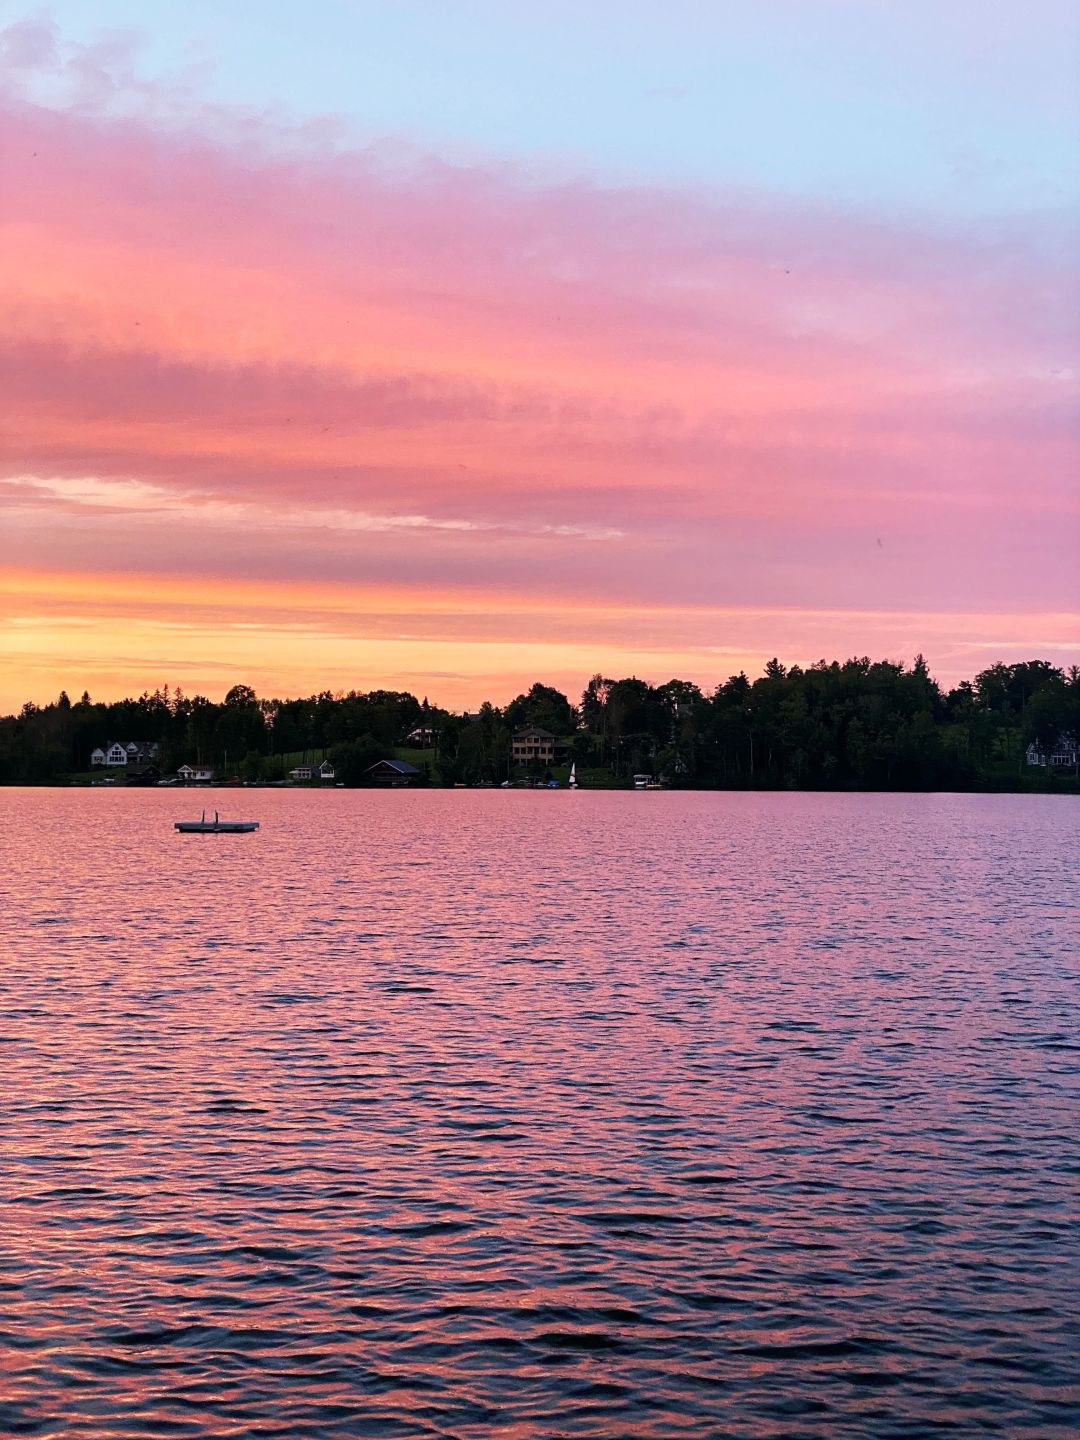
{"points": [[534, 731], [402, 767]]}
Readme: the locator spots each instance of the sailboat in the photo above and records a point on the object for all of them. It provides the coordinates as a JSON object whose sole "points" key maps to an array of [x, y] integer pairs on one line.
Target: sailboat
{"points": [[572, 782]]}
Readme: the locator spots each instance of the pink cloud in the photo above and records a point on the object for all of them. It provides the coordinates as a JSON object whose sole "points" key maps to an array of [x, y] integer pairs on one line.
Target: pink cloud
{"points": [[752, 393], [31, 44]]}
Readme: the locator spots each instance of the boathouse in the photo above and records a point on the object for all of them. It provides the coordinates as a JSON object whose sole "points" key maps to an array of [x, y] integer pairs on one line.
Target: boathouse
{"points": [[391, 772]]}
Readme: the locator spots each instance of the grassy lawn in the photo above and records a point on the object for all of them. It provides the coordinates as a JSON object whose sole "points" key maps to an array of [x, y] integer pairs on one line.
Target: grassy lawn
{"points": [[419, 758], [1033, 779], [291, 758]]}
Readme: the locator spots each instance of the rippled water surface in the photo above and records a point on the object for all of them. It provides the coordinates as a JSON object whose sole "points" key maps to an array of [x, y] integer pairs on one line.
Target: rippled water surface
{"points": [[539, 1114]]}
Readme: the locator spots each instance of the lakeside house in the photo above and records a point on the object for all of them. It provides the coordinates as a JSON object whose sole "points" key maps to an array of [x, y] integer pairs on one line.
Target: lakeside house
{"points": [[533, 746], [195, 774], [323, 771], [1064, 753], [422, 738], [125, 752], [391, 772]]}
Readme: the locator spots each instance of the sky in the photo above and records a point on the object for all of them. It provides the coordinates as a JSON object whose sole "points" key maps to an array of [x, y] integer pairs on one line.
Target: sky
{"points": [[448, 345]]}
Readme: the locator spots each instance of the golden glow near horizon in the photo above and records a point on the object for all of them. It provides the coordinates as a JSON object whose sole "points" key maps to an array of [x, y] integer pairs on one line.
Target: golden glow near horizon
{"points": [[117, 635]]}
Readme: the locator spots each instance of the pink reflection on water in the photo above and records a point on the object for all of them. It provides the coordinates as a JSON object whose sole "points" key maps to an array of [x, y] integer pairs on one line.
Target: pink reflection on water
{"points": [[499, 1112]]}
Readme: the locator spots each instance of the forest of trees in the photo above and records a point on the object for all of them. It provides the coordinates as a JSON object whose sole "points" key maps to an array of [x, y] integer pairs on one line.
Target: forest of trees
{"points": [[858, 724]]}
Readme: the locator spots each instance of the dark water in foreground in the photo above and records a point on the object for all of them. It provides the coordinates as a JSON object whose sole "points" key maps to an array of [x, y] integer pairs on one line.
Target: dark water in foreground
{"points": [[530, 1114]]}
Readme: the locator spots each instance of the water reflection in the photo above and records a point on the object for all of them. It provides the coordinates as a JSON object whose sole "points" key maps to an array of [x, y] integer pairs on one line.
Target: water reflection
{"points": [[535, 1114]]}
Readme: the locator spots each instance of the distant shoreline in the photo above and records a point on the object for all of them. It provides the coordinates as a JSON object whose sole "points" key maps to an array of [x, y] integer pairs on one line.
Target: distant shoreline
{"points": [[1063, 785], [857, 726]]}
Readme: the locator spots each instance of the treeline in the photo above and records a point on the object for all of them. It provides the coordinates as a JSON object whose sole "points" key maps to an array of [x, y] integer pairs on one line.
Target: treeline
{"points": [[859, 724]]}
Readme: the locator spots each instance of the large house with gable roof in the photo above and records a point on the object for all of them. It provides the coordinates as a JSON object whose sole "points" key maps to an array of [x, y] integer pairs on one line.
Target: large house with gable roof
{"points": [[126, 752], [1064, 753]]}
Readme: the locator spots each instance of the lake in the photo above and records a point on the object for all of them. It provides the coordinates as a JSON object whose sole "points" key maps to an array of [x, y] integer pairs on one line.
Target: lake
{"points": [[534, 1114]]}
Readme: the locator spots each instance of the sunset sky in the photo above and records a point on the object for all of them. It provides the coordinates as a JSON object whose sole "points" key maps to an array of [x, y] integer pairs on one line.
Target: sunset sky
{"points": [[447, 345]]}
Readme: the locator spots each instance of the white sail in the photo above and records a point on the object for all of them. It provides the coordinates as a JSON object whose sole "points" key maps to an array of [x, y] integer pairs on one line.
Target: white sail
{"points": [[573, 776]]}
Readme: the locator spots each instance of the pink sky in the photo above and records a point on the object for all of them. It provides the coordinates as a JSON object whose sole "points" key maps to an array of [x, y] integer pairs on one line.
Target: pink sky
{"points": [[311, 415]]}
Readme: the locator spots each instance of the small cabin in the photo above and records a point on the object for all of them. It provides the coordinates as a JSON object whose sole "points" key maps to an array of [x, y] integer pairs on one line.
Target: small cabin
{"points": [[195, 774]]}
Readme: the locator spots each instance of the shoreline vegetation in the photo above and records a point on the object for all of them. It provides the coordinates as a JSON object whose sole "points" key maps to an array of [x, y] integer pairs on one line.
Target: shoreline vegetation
{"points": [[852, 725]]}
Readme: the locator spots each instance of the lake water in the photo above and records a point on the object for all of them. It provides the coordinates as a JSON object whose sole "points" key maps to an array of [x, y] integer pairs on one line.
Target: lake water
{"points": [[537, 1114]]}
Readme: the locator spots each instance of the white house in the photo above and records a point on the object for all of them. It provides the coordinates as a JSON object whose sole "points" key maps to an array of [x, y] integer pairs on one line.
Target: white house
{"points": [[1065, 752], [325, 771], [195, 774], [126, 752]]}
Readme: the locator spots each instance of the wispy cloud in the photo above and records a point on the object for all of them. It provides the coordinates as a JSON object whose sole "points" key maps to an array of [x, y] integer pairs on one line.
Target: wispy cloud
{"points": [[267, 352]]}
